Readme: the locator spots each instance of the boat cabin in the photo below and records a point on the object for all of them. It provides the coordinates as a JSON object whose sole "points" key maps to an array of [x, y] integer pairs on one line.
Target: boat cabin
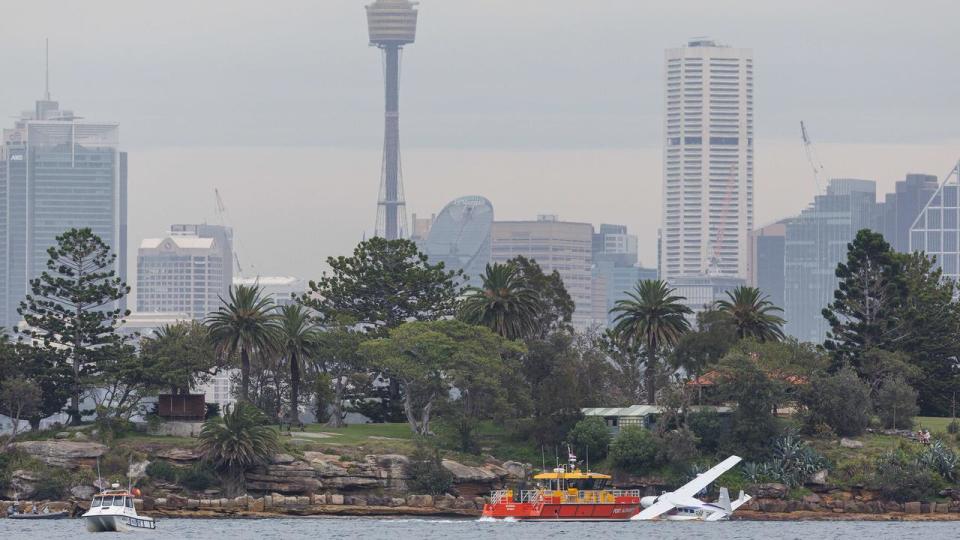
{"points": [[118, 499], [560, 480]]}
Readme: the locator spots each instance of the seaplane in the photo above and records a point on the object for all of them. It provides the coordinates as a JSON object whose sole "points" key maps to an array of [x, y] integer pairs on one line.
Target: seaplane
{"points": [[682, 504]]}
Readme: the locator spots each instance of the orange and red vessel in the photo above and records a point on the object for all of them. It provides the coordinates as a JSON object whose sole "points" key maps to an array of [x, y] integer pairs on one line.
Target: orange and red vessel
{"points": [[566, 494]]}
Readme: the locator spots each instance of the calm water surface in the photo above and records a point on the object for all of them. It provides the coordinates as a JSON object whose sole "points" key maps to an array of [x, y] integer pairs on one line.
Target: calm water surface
{"points": [[428, 529]]}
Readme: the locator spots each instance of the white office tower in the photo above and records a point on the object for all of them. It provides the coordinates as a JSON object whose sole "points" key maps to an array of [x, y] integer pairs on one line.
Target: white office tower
{"points": [[708, 161]]}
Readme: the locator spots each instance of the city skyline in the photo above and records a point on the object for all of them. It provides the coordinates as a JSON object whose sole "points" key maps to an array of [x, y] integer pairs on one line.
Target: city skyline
{"points": [[519, 176]]}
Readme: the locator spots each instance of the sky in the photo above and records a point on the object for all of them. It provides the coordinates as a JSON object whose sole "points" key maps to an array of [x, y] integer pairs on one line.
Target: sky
{"points": [[542, 106]]}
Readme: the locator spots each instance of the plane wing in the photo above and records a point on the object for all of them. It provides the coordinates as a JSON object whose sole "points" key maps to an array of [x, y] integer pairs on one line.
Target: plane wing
{"points": [[705, 479], [655, 510]]}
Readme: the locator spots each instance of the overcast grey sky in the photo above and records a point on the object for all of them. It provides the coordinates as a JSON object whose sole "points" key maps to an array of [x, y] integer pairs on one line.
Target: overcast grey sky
{"points": [[543, 106]]}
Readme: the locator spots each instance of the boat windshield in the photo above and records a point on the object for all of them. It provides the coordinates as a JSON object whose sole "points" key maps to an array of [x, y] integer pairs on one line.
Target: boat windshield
{"points": [[97, 501], [128, 502]]}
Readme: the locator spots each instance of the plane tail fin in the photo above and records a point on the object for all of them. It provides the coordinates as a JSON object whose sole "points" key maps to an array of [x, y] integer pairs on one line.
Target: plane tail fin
{"points": [[741, 500], [724, 500]]}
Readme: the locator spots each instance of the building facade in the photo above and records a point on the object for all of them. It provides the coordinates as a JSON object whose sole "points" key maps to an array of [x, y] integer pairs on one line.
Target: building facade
{"points": [[616, 270], [57, 172], [936, 230], [708, 160], [563, 246], [767, 245], [460, 237], [280, 289], [181, 273], [901, 208], [816, 241], [699, 293]]}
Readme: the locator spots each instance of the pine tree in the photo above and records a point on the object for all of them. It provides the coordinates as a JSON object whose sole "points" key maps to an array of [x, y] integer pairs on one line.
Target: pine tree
{"points": [[72, 310]]}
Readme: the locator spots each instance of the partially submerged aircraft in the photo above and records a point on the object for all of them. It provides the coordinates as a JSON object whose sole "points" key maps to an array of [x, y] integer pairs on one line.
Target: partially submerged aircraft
{"points": [[682, 505]]}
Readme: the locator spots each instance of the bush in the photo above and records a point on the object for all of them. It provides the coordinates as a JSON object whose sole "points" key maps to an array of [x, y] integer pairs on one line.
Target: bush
{"points": [[592, 436], [900, 478], [710, 428], [940, 459], [896, 404], [197, 478], [161, 470], [427, 474], [52, 486], [677, 446], [841, 401], [953, 427], [753, 424], [634, 450], [794, 462]]}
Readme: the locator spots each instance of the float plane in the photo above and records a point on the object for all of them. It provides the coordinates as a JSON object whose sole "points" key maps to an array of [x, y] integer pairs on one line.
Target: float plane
{"points": [[682, 505]]}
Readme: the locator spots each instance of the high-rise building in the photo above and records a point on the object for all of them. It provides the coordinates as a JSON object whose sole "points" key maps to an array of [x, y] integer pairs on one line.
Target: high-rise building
{"points": [[901, 208], [556, 245], [460, 237], [936, 230], [816, 241], [280, 289], [767, 246], [615, 270], [392, 24], [421, 227], [57, 172], [708, 160], [701, 292], [184, 272]]}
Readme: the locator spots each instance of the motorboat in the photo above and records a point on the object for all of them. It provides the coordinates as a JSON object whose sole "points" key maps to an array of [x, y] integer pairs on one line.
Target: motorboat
{"points": [[113, 510], [14, 512]]}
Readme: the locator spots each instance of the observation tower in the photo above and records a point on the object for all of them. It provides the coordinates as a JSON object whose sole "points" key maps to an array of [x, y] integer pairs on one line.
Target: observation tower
{"points": [[393, 24]]}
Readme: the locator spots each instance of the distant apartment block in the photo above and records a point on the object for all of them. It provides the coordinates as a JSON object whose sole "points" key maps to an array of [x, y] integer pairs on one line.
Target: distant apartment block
{"points": [[556, 245]]}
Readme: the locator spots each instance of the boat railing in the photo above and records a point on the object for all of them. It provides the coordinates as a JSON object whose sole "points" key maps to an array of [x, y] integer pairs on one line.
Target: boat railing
{"points": [[523, 496]]}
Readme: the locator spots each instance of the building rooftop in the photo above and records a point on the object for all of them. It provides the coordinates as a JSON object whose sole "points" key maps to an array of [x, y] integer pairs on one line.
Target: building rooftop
{"points": [[180, 241]]}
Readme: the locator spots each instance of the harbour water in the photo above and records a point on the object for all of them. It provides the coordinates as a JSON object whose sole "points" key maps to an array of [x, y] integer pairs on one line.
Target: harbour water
{"points": [[434, 529]]}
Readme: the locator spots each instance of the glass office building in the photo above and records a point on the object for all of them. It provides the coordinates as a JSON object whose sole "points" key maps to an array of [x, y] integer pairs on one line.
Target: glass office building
{"points": [[936, 229], [460, 237], [58, 172]]}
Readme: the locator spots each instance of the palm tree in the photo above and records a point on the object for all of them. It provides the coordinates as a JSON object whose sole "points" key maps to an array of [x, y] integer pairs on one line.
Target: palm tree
{"points": [[503, 303], [752, 314], [238, 441], [245, 324], [650, 318], [297, 336]]}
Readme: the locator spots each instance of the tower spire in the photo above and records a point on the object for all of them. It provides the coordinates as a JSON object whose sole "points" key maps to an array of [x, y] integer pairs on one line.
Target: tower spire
{"points": [[46, 79]]}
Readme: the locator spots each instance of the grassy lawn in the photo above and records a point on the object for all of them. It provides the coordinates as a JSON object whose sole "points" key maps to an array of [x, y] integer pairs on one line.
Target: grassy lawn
{"points": [[933, 423], [358, 434]]}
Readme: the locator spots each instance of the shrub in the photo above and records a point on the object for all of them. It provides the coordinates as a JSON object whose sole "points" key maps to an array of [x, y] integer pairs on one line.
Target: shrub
{"points": [[900, 478], [52, 486], [634, 450], [592, 436], [710, 428], [426, 472], [940, 459], [161, 470], [753, 424], [794, 462], [896, 404], [953, 427], [841, 401], [678, 446], [197, 478]]}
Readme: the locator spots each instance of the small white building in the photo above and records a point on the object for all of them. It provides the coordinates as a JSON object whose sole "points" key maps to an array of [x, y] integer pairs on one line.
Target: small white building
{"points": [[644, 416]]}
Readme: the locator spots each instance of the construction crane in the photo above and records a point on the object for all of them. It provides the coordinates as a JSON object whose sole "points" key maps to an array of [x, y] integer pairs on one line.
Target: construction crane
{"points": [[224, 222], [713, 268], [812, 158]]}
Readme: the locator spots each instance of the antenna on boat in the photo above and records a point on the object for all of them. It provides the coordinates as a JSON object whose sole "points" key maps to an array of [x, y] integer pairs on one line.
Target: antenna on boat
{"points": [[99, 478]]}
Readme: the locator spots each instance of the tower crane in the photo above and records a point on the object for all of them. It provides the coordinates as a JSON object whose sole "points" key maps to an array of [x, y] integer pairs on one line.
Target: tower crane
{"points": [[812, 158], [222, 216]]}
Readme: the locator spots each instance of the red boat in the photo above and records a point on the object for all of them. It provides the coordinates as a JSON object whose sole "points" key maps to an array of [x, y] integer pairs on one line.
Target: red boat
{"points": [[565, 494]]}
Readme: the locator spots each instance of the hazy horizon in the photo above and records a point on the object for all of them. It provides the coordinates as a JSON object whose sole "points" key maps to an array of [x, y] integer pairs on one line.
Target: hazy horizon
{"points": [[542, 107]]}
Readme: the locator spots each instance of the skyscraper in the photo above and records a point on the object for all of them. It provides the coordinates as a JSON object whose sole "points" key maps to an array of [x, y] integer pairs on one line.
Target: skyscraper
{"points": [[901, 208], [57, 172], [615, 270], [936, 230], [185, 272], [460, 237], [767, 246], [708, 161], [816, 241], [556, 245], [393, 24]]}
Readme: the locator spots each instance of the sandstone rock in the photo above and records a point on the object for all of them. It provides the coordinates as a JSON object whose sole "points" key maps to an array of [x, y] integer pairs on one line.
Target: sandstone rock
{"points": [[772, 491], [515, 469], [62, 435], [927, 508], [21, 484], [355, 500], [445, 501], [84, 493], [297, 477], [193, 504], [282, 459], [256, 505], [318, 498], [179, 454], [942, 508], [912, 507], [951, 493], [149, 503], [80, 436], [819, 478], [812, 499], [175, 501], [70, 454], [479, 502], [397, 501], [465, 473], [420, 501], [850, 443], [773, 505], [138, 469], [225, 503], [335, 498]]}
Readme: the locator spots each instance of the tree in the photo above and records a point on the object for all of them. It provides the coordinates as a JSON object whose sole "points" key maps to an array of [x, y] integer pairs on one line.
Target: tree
{"points": [[338, 356], [503, 303], [555, 306], [179, 356], [756, 395], [19, 399], [297, 338], [840, 400], [753, 315], [591, 434], [652, 318], [43, 367], [432, 358], [72, 308], [896, 403], [634, 450], [864, 313], [696, 351], [122, 385], [245, 324], [385, 283], [237, 441]]}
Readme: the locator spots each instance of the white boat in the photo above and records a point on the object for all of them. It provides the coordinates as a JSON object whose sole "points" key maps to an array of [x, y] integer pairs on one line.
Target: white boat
{"points": [[112, 510]]}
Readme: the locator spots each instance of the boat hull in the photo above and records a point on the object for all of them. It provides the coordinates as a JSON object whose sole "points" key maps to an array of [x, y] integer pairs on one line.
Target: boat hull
{"points": [[620, 511], [117, 523]]}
